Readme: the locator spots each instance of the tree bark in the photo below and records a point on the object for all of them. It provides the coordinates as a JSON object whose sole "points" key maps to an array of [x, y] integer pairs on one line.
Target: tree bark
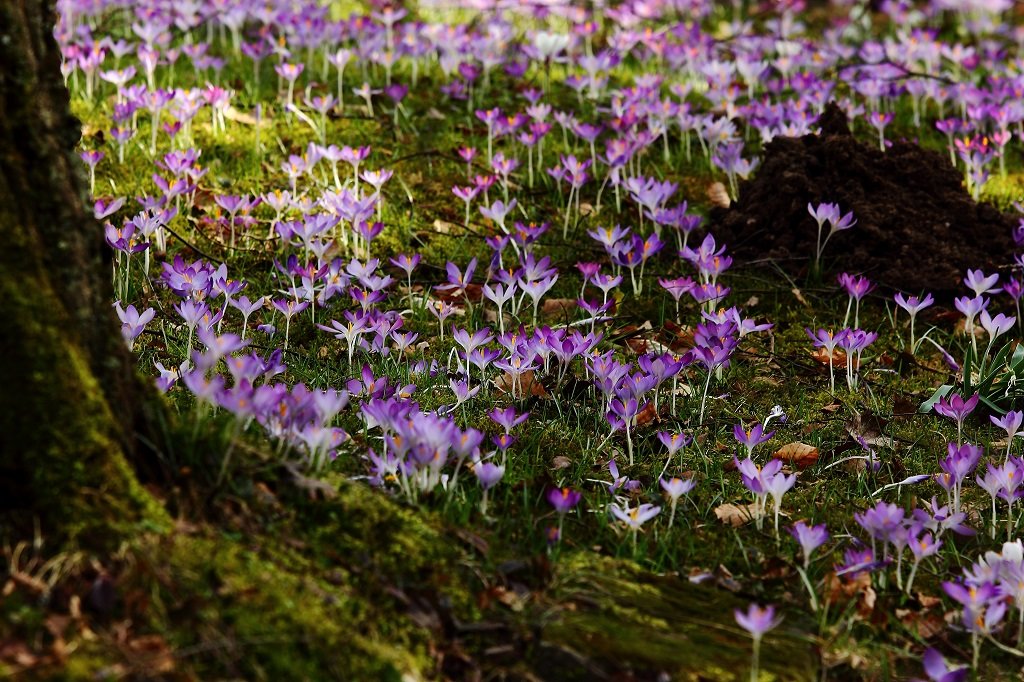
{"points": [[72, 407]]}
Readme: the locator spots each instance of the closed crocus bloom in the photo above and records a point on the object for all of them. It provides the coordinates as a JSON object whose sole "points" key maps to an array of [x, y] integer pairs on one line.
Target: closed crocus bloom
{"points": [[563, 499], [809, 537], [757, 620], [488, 474]]}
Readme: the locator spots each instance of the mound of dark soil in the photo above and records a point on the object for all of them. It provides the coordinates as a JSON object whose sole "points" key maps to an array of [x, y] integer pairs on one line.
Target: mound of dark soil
{"points": [[917, 227]]}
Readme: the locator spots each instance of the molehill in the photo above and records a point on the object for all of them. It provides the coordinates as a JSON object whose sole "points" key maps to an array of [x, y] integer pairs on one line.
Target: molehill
{"points": [[917, 227]]}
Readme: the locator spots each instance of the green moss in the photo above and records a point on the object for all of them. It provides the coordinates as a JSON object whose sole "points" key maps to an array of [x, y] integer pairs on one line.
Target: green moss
{"points": [[316, 596], [613, 612], [86, 490], [281, 619]]}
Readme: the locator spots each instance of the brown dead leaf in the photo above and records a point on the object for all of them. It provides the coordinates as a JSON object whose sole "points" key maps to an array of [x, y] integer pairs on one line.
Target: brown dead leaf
{"points": [[867, 426], [472, 539], [799, 296], [473, 292], [558, 307], [821, 356], [724, 579], [855, 466], [635, 337], [561, 462], [679, 339], [904, 406], [18, 653], [526, 384], [637, 345], [265, 496], [647, 415], [244, 117], [857, 588], [735, 515], [157, 655], [776, 568], [718, 196], [800, 455], [444, 227], [926, 625], [510, 598]]}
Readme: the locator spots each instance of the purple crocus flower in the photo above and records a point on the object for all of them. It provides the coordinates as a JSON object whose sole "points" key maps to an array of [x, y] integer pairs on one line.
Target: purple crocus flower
{"points": [[825, 338], [751, 438], [675, 488], [913, 305], [810, 538], [971, 308], [954, 406], [982, 284], [133, 322], [634, 518], [563, 499], [857, 287], [995, 326], [881, 521], [488, 474], [959, 462], [938, 670], [757, 621], [858, 560], [1011, 423], [673, 442], [508, 418]]}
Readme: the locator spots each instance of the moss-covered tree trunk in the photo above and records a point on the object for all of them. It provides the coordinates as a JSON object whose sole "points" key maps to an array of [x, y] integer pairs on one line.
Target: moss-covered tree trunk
{"points": [[71, 404]]}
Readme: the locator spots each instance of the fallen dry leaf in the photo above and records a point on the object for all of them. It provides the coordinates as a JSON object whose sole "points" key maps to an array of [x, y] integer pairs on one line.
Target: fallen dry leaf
{"points": [[473, 292], [232, 114], [153, 652], [561, 462], [841, 591], [558, 307], [526, 384], [679, 339], [444, 227], [866, 428], [735, 515], [821, 356], [800, 297], [509, 598], [718, 195], [800, 455], [647, 415], [926, 625]]}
